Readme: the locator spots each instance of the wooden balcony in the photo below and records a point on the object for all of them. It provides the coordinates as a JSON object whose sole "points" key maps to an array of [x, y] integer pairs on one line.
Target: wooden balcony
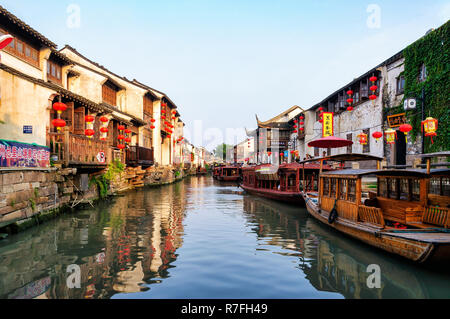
{"points": [[78, 150], [140, 156]]}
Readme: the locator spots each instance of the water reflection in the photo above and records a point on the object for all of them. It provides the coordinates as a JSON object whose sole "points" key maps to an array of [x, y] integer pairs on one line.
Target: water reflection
{"points": [[334, 263], [201, 239]]}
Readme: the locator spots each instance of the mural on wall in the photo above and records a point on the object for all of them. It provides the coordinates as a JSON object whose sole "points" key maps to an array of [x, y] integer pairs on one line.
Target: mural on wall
{"points": [[15, 154]]}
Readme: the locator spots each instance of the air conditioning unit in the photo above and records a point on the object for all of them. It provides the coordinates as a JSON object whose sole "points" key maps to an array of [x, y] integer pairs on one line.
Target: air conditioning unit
{"points": [[410, 104]]}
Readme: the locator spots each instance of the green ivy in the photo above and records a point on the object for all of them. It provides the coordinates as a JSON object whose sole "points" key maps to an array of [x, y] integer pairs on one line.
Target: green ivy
{"points": [[103, 181], [433, 50]]}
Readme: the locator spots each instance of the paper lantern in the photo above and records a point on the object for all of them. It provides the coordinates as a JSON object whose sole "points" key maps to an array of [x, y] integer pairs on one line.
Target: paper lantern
{"points": [[89, 132], [128, 140], [377, 135], [104, 130], [362, 138], [373, 79], [374, 88], [152, 127], [350, 108], [295, 131], [153, 120], [405, 128], [104, 119], [120, 146], [59, 123], [121, 137], [89, 119], [391, 136], [127, 131], [59, 107], [350, 92], [121, 127], [373, 97], [350, 101], [430, 125], [321, 109]]}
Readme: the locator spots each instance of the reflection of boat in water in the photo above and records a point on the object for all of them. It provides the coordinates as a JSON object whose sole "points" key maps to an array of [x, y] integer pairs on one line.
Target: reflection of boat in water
{"points": [[339, 264]]}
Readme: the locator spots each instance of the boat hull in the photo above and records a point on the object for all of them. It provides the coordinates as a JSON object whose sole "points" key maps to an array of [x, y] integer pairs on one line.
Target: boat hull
{"points": [[228, 178], [415, 249], [287, 197]]}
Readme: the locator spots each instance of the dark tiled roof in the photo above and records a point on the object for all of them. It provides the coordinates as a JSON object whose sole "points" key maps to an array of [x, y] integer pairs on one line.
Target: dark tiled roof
{"points": [[26, 28]]}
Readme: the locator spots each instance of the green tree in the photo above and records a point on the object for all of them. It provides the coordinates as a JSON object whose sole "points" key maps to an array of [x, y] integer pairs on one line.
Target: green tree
{"points": [[221, 150]]}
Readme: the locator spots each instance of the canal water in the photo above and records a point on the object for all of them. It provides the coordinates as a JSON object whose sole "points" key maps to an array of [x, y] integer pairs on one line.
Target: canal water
{"points": [[201, 238]]}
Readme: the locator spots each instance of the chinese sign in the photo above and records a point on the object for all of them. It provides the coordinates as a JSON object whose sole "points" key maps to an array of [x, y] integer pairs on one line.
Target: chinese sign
{"points": [[327, 124], [396, 120], [15, 154], [27, 129]]}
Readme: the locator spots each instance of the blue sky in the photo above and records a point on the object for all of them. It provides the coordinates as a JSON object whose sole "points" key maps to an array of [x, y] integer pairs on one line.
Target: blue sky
{"points": [[223, 61]]}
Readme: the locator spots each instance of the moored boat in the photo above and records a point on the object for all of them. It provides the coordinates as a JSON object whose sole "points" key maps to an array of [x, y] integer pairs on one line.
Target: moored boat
{"points": [[283, 183], [228, 173], [408, 215]]}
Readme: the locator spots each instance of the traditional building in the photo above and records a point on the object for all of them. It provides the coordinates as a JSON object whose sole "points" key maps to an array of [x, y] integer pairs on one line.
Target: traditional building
{"points": [[272, 137]]}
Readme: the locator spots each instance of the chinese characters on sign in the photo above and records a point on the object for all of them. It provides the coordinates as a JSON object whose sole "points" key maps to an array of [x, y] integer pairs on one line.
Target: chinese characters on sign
{"points": [[15, 154], [327, 124], [396, 120]]}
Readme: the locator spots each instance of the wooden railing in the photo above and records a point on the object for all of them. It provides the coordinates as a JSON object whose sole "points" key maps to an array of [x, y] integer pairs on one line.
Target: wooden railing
{"points": [[77, 149], [370, 215], [140, 156], [439, 216]]}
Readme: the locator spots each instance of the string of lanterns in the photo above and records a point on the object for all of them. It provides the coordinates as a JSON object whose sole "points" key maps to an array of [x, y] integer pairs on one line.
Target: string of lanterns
{"points": [[373, 88], [350, 100]]}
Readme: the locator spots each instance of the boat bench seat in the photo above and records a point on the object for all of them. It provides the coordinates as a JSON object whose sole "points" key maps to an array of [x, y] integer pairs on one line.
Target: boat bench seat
{"points": [[432, 217]]}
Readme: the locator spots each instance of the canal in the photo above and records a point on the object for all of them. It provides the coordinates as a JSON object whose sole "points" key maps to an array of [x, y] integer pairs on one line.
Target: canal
{"points": [[201, 239]]}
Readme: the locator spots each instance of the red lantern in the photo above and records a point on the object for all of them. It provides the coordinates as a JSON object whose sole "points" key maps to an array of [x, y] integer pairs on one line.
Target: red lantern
{"points": [[173, 118], [430, 126], [350, 101], [373, 97], [89, 119], [121, 127], [295, 131], [302, 129], [405, 128], [163, 117], [362, 138], [127, 131], [153, 120], [120, 146], [59, 107], [377, 135], [104, 130], [350, 92], [152, 127], [59, 123], [373, 79], [128, 140], [269, 153], [121, 137], [163, 104], [104, 119], [295, 126], [321, 109], [302, 117], [295, 121], [350, 108], [302, 123], [374, 88], [89, 132]]}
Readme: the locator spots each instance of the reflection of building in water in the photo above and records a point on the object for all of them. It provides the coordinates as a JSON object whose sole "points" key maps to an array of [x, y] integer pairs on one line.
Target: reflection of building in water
{"points": [[119, 248], [330, 261]]}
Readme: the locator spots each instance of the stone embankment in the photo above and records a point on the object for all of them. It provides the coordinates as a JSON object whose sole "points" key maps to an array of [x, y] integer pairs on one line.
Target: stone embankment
{"points": [[31, 196]]}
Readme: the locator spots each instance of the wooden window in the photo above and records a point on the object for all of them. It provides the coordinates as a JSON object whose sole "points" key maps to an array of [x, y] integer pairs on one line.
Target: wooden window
{"points": [[349, 148], [351, 194], [400, 84], [415, 189], [343, 189], [440, 186], [382, 187], [109, 94], [54, 72], [326, 187], [21, 49], [148, 105], [364, 89], [366, 148], [333, 188], [404, 189], [393, 188]]}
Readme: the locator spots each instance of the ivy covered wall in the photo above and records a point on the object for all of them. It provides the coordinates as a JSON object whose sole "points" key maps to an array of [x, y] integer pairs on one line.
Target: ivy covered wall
{"points": [[433, 51]]}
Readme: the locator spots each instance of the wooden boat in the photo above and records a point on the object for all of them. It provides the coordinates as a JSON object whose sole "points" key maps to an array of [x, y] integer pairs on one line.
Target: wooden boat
{"points": [[408, 215], [283, 183], [202, 171], [228, 173]]}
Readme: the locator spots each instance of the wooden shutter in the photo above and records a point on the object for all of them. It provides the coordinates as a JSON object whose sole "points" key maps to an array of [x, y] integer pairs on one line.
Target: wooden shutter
{"points": [[78, 126], [68, 116]]}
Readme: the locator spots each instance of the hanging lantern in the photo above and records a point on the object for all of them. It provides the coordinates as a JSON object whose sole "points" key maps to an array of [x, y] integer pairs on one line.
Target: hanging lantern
{"points": [[405, 128], [295, 121], [373, 88], [321, 109], [121, 137], [89, 132], [350, 108], [121, 128], [373, 97], [350, 101], [302, 123], [373, 79], [104, 119], [362, 138], [391, 136], [302, 129], [59, 107], [302, 117], [377, 135], [127, 131], [120, 146], [163, 117], [295, 131], [295, 126], [152, 127], [89, 119], [269, 153], [164, 104], [430, 125], [350, 92], [128, 140], [104, 130], [153, 120], [58, 123]]}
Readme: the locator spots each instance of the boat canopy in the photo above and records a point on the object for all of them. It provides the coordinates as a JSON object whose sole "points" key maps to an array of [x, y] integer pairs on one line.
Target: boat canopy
{"points": [[356, 157], [355, 173]]}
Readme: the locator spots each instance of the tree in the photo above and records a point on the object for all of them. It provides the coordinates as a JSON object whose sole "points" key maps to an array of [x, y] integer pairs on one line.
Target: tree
{"points": [[221, 151]]}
